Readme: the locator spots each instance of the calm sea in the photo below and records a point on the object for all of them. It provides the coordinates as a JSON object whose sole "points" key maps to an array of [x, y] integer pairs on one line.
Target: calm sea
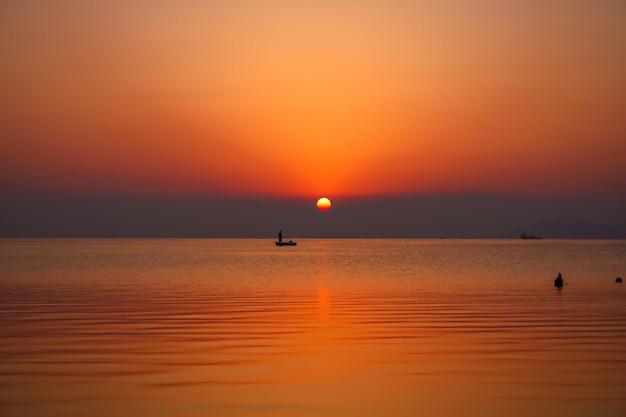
{"points": [[220, 327]]}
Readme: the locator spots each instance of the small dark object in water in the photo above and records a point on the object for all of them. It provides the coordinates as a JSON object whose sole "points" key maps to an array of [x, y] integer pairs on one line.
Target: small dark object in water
{"points": [[290, 243], [558, 282], [618, 279]]}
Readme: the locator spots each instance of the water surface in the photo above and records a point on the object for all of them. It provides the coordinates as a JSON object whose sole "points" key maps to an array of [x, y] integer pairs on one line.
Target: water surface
{"points": [[175, 327]]}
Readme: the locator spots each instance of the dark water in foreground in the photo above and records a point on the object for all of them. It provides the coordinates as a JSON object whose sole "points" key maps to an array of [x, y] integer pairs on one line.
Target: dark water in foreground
{"points": [[327, 328]]}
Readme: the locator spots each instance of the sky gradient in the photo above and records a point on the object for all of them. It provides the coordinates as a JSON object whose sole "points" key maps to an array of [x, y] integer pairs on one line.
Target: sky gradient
{"points": [[284, 99]]}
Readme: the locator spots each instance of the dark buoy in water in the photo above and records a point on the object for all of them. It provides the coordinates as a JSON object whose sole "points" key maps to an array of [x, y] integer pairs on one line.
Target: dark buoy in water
{"points": [[558, 282], [618, 279]]}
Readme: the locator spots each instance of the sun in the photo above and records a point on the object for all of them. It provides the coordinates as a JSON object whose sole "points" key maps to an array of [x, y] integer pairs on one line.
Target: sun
{"points": [[323, 204]]}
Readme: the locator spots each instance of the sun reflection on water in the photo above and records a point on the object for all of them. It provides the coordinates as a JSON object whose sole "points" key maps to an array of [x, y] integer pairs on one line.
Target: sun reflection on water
{"points": [[370, 328]]}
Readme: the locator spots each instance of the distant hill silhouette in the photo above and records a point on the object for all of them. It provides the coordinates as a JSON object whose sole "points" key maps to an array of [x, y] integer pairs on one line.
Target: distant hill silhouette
{"points": [[454, 215], [571, 228]]}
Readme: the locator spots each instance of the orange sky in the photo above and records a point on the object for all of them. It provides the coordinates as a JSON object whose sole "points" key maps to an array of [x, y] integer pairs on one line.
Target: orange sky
{"points": [[313, 97]]}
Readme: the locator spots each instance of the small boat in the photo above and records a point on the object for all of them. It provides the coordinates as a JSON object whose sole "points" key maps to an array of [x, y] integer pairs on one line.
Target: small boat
{"points": [[525, 236], [290, 243]]}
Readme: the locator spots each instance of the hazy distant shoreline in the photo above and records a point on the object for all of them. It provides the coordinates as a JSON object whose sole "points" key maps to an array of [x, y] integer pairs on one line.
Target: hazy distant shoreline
{"points": [[464, 215]]}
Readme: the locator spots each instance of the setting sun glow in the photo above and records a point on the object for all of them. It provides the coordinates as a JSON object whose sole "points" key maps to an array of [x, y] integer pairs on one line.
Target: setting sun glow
{"points": [[162, 99], [323, 204]]}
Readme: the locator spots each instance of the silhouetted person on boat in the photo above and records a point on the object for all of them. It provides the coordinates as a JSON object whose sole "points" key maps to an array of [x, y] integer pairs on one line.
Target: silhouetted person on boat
{"points": [[280, 236], [558, 282]]}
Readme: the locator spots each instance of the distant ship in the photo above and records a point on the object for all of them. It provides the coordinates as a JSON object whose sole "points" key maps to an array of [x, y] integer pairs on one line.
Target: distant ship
{"points": [[290, 243], [525, 236]]}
